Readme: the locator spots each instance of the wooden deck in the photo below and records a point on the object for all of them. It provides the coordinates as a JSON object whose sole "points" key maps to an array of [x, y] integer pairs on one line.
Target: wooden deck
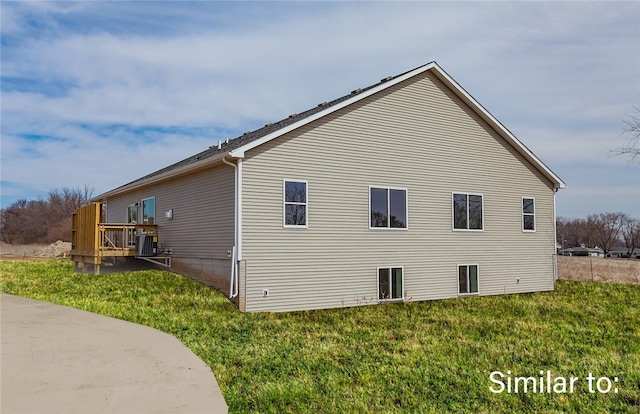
{"points": [[92, 240]]}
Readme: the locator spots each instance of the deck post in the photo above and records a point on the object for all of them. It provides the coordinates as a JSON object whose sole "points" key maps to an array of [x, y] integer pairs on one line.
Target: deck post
{"points": [[92, 240]]}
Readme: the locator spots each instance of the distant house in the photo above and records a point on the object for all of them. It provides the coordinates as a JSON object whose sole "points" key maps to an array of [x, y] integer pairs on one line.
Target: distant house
{"points": [[406, 190], [583, 251], [623, 253]]}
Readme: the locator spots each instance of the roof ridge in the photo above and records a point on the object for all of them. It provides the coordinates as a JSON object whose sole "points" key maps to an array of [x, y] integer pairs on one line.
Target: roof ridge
{"points": [[237, 146], [230, 144]]}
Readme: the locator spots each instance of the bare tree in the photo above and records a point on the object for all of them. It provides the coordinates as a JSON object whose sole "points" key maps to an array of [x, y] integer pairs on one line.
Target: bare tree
{"points": [[631, 148], [562, 231], [631, 234], [574, 232], [606, 228], [42, 220]]}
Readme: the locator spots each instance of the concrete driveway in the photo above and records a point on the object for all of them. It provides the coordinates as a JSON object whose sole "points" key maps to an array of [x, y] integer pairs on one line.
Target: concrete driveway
{"points": [[57, 359]]}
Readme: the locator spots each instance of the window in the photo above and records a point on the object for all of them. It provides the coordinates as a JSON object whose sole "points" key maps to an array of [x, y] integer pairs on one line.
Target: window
{"points": [[132, 214], [390, 285], [295, 203], [528, 214], [388, 208], [467, 212], [132, 218], [149, 211], [467, 279]]}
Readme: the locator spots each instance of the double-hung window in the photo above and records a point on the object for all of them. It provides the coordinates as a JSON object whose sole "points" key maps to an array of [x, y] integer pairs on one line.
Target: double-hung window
{"points": [[467, 279], [528, 214], [295, 203], [388, 208], [390, 285], [467, 211]]}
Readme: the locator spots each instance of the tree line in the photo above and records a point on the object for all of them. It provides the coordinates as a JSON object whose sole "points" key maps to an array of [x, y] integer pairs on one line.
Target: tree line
{"points": [[604, 231], [45, 220]]}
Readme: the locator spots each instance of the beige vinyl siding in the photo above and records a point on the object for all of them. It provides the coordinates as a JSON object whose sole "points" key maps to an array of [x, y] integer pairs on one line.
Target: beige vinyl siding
{"points": [[416, 135], [203, 212]]}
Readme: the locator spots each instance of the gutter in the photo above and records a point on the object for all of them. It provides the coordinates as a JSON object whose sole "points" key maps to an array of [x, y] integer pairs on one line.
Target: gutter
{"points": [[195, 166]]}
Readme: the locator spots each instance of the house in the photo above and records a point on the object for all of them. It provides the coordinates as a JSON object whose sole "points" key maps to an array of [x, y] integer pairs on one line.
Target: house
{"points": [[406, 190], [583, 251], [621, 252]]}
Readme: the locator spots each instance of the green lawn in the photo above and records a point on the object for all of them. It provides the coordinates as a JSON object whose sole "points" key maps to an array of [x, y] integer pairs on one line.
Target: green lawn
{"points": [[415, 357]]}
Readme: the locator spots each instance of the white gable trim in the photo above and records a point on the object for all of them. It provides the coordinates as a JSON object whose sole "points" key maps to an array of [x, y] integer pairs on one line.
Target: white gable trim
{"points": [[239, 152], [452, 84], [484, 114]]}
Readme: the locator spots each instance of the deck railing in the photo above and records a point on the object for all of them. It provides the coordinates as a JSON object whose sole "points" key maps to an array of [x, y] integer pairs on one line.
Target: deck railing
{"points": [[121, 237], [91, 240]]}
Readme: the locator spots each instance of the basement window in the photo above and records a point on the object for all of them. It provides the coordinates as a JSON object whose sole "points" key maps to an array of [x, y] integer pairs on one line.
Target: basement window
{"points": [[390, 283], [468, 279]]}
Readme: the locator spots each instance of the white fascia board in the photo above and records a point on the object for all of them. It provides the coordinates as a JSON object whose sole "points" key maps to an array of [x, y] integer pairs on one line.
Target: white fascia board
{"points": [[239, 152], [448, 80], [198, 165], [484, 114]]}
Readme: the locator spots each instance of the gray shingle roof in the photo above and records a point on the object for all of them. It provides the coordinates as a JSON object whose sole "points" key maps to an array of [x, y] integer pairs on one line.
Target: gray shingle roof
{"points": [[236, 147], [269, 128]]}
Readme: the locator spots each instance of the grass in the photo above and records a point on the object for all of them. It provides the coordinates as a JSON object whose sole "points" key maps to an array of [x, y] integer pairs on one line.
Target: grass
{"points": [[412, 357]]}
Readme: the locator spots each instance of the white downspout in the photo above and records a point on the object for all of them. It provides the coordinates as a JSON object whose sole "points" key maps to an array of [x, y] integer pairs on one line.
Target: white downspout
{"points": [[239, 210], [233, 283], [238, 223], [555, 240]]}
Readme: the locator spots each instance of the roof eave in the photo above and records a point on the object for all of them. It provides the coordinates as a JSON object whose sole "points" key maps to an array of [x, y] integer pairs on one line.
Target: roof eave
{"points": [[196, 166], [437, 70]]}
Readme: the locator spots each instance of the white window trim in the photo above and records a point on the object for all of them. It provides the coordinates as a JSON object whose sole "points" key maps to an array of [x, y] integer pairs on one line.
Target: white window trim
{"points": [[453, 220], [141, 210], [468, 284], [535, 224], [400, 299], [406, 208], [284, 204]]}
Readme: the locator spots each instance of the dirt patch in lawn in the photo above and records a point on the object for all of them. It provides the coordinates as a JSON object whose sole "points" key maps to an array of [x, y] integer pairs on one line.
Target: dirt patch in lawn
{"points": [[597, 269], [31, 251]]}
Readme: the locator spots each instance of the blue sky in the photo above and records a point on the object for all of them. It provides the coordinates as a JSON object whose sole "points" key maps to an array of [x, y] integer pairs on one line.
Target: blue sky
{"points": [[101, 93]]}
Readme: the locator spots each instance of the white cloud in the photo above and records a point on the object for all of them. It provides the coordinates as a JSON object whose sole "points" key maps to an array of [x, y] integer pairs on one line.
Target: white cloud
{"points": [[88, 158], [558, 75]]}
